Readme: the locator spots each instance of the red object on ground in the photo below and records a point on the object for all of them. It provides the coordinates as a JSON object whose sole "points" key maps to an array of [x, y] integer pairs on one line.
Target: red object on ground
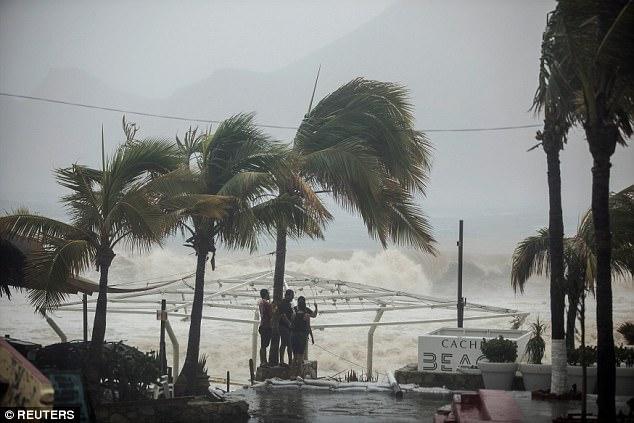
{"points": [[486, 405]]}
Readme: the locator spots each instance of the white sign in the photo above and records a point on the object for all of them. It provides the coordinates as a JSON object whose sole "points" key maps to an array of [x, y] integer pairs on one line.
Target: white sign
{"points": [[445, 350]]}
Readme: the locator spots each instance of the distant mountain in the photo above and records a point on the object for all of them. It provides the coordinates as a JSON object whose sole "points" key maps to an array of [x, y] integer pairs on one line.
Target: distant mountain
{"points": [[469, 83], [76, 85]]}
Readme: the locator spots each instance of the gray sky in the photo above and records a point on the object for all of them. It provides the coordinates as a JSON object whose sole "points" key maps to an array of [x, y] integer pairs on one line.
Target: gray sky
{"points": [[150, 47], [467, 64]]}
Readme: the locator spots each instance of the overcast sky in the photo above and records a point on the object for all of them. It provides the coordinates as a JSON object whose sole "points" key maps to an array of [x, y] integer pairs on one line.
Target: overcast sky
{"points": [[151, 47], [467, 64]]}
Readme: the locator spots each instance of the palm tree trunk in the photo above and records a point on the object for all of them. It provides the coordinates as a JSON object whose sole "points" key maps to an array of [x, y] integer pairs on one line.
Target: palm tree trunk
{"points": [[278, 291], [556, 251], [571, 319], [99, 328], [576, 285], [280, 264], [186, 382], [602, 140]]}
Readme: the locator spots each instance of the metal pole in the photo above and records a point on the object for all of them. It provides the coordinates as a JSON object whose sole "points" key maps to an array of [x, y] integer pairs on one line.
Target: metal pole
{"points": [[175, 349], [398, 393], [370, 351], [57, 329], [162, 354], [185, 308], [584, 370], [85, 301], [460, 299]]}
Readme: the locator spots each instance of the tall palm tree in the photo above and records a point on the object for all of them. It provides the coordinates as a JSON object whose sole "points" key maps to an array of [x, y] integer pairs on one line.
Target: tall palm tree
{"points": [[238, 164], [532, 256], [359, 145], [554, 97], [596, 38], [108, 208]]}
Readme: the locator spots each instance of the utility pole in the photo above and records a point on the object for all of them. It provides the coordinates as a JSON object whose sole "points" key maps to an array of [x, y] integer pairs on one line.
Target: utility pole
{"points": [[84, 301], [162, 351], [460, 298]]}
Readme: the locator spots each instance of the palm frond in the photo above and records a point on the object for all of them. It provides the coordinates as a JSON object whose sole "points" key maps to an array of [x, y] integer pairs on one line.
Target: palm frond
{"points": [[39, 228], [240, 166], [530, 258], [349, 171], [402, 220], [248, 185], [236, 146], [48, 268], [595, 38], [191, 145], [376, 114], [83, 202], [213, 207], [136, 220], [135, 163]]}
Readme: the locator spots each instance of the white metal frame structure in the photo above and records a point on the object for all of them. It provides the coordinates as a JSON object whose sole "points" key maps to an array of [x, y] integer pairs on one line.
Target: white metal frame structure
{"points": [[332, 297]]}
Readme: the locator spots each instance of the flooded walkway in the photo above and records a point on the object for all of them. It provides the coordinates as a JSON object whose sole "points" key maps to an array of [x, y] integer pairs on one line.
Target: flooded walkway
{"points": [[294, 405]]}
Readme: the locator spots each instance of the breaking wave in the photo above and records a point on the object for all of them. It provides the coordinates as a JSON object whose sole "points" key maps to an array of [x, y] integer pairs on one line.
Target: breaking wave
{"points": [[228, 345]]}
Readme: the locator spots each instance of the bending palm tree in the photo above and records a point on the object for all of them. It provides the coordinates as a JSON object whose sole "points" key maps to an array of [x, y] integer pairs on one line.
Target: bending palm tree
{"points": [[107, 207], [359, 145], [236, 164], [596, 39], [532, 255]]}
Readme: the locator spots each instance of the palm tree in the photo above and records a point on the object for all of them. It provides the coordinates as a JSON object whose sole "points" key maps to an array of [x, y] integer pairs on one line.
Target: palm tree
{"points": [[596, 39], [108, 208], [554, 98], [12, 262], [235, 165], [532, 256], [359, 145]]}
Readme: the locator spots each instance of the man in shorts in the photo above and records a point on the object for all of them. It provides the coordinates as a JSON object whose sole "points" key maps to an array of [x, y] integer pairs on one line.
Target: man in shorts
{"points": [[266, 312]]}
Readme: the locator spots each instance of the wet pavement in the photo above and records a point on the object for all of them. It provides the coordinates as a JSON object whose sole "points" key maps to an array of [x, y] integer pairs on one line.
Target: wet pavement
{"points": [[296, 405]]}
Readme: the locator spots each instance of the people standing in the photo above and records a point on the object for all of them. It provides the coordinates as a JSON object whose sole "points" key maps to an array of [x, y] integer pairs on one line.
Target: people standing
{"points": [[286, 316], [265, 329], [300, 331]]}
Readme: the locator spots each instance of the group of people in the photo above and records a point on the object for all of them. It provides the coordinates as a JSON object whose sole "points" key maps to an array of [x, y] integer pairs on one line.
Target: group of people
{"points": [[293, 324]]}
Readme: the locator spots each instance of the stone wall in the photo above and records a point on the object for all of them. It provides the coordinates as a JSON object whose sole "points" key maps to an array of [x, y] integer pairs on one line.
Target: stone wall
{"points": [[181, 409]]}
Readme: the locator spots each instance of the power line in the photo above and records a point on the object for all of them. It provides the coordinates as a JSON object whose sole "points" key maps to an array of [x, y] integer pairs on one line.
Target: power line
{"points": [[131, 112], [495, 128], [209, 121]]}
